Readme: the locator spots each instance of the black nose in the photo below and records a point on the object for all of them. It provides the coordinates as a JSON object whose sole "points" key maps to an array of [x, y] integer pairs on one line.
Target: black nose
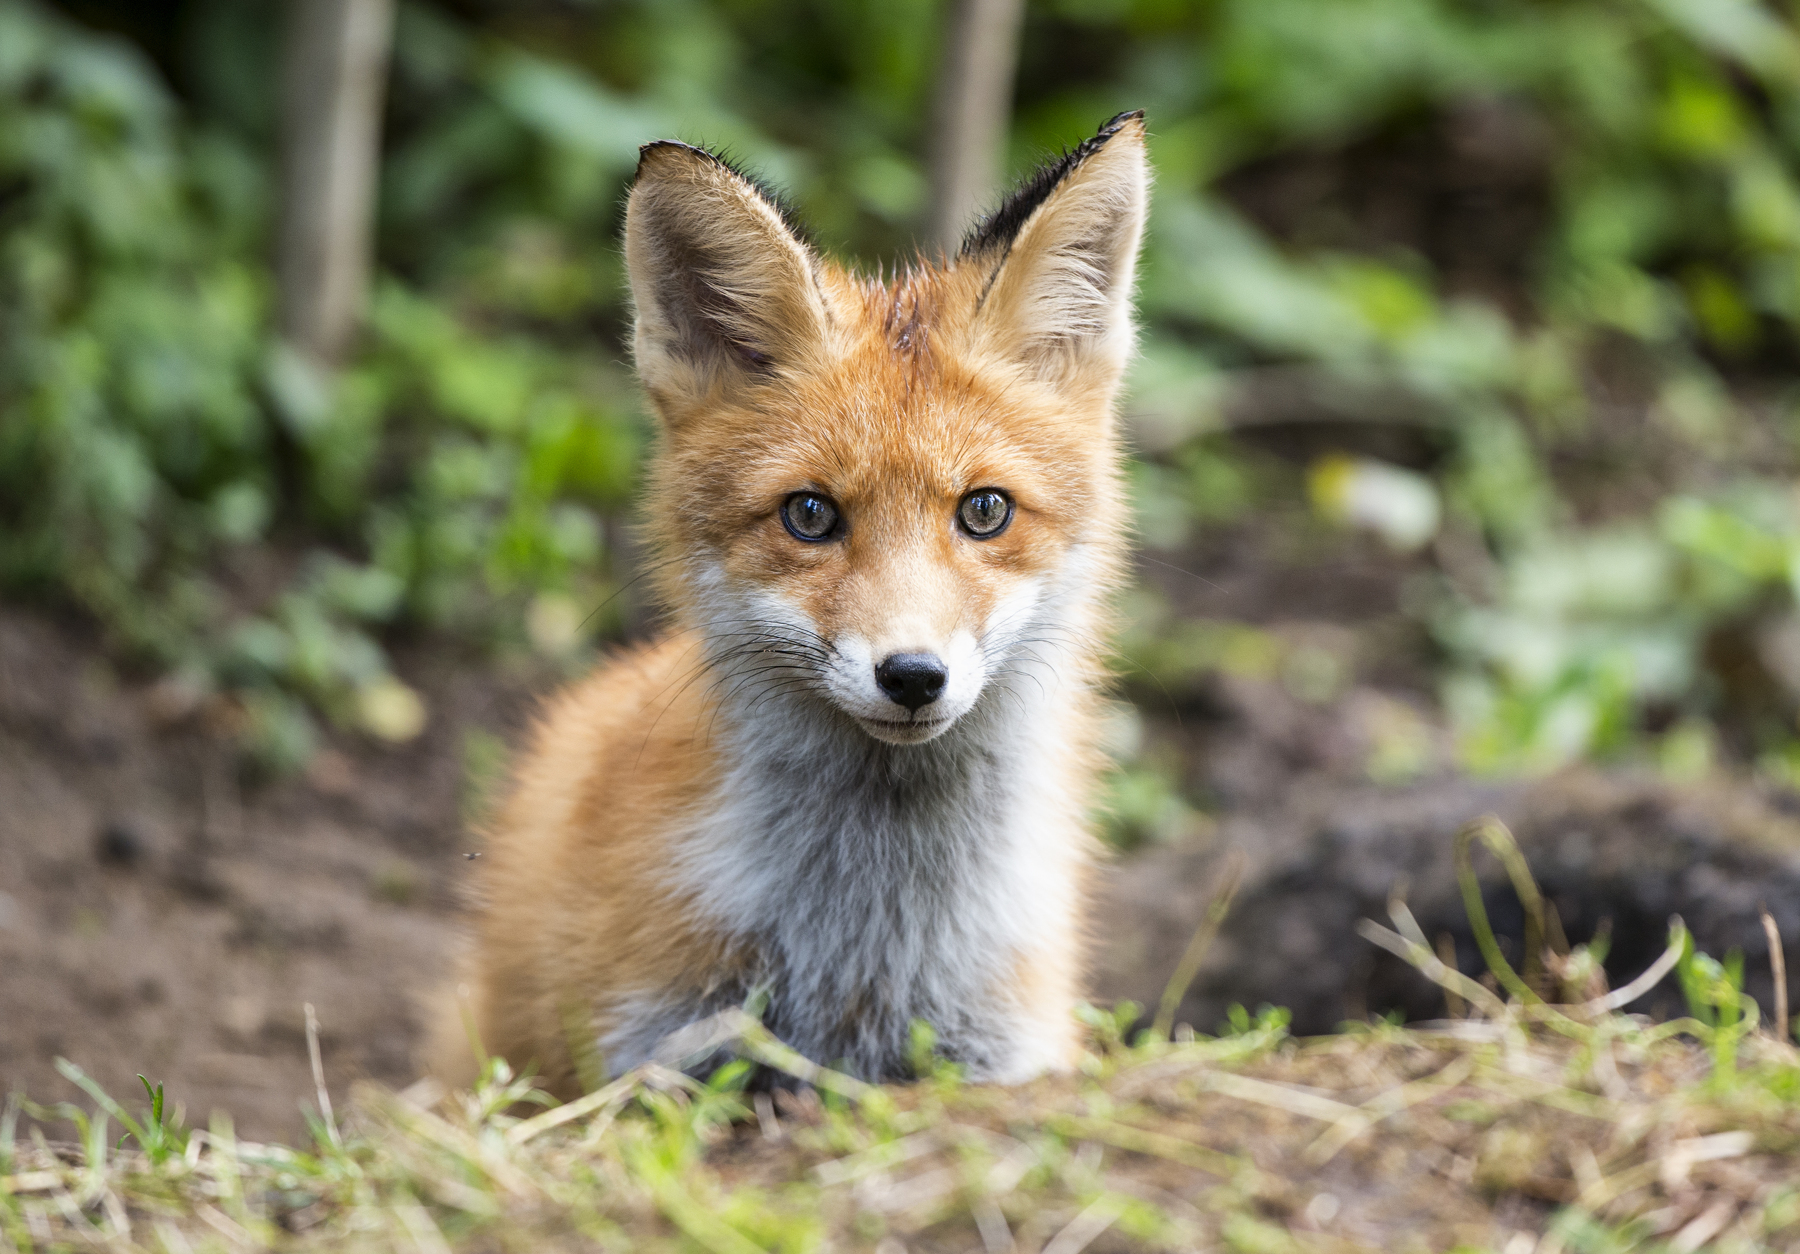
{"points": [[912, 679]]}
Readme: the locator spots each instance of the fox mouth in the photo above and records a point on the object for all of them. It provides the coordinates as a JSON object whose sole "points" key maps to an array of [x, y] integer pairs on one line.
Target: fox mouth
{"points": [[904, 731]]}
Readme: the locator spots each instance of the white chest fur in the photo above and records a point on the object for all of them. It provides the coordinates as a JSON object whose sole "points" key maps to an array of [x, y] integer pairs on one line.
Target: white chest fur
{"points": [[877, 884]]}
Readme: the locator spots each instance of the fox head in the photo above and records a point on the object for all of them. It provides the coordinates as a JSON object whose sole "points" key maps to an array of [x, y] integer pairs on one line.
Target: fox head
{"points": [[887, 496]]}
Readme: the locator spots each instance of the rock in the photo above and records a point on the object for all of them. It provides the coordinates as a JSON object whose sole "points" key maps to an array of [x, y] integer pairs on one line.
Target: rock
{"points": [[121, 842]]}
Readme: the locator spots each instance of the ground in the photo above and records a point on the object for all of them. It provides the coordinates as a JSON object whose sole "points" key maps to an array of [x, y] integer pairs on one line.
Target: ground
{"points": [[1520, 1129], [163, 912]]}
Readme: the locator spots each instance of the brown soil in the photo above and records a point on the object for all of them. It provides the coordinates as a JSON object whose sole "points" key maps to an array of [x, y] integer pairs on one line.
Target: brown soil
{"points": [[1618, 853], [161, 914]]}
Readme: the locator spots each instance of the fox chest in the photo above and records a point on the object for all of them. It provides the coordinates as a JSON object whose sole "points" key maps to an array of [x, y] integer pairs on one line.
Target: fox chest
{"points": [[867, 896]]}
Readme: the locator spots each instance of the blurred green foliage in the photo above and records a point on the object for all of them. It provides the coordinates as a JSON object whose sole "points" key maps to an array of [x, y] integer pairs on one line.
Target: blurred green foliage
{"points": [[1598, 509]]}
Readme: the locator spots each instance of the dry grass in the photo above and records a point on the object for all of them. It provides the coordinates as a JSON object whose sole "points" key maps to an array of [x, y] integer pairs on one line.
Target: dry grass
{"points": [[1526, 1126]]}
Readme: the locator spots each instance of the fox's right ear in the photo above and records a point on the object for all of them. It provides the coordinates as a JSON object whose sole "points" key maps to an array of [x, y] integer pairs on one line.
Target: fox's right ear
{"points": [[723, 285]]}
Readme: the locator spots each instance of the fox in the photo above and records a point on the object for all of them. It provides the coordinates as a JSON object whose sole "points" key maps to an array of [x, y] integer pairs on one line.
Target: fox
{"points": [[853, 778]]}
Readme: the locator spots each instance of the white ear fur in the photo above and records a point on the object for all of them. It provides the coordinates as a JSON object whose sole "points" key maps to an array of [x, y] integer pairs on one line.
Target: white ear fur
{"points": [[1058, 299], [723, 287]]}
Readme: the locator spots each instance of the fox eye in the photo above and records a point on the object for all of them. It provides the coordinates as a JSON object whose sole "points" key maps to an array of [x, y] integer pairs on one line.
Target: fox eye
{"points": [[811, 517], [985, 512]]}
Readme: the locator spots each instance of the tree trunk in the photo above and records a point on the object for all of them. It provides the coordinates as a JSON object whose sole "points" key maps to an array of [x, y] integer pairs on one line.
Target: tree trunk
{"points": [[334, 75], [972, 109]]}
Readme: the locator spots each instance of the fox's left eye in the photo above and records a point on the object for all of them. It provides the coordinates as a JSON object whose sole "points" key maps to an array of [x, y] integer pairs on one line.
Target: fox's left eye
{"points": [[985, 513]]}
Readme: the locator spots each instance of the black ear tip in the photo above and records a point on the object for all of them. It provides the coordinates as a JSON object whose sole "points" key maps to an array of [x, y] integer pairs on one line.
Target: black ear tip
{"points": [[999, 228], [1117, 121], [662, 149]]}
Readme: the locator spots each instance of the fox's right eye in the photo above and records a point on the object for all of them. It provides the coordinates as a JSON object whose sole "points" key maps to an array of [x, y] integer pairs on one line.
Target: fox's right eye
{"points": [[809, 516]]}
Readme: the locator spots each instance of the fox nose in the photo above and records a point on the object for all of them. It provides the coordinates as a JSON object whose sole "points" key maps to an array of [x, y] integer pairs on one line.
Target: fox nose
{"points": [[912, 679]]}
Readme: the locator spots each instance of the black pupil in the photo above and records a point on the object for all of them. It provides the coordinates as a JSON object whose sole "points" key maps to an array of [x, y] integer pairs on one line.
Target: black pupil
{"points": [[984, 511], [811, 515]]}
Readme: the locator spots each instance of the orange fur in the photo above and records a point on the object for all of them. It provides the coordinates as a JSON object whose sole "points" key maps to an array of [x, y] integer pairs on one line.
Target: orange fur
{"points": [[625, 876]]}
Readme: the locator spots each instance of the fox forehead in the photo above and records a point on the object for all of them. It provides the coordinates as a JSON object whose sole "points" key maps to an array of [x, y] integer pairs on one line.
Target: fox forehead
{"points": [[896, 423]]}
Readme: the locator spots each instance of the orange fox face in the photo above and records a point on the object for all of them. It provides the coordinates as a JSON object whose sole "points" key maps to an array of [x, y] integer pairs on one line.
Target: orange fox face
{"points": [[885, 493]]}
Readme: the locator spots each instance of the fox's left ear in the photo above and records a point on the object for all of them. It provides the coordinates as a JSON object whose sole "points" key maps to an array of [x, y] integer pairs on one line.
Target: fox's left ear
{"points": [[1060, 256]]}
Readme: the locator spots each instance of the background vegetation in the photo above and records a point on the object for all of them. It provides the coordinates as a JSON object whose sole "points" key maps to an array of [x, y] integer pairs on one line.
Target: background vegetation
{"points": [[1509, 286]]}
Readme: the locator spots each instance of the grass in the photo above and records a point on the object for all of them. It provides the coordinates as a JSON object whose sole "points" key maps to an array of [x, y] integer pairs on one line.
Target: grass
{"points": [[1542, 1117]]}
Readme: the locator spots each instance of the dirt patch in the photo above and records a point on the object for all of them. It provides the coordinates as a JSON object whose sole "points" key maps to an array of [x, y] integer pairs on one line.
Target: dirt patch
{"points": [[161, 913], [1617, 853]]}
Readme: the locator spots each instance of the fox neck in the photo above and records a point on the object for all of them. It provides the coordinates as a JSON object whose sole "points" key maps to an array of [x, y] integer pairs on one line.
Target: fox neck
{"points": [[875, 884]]}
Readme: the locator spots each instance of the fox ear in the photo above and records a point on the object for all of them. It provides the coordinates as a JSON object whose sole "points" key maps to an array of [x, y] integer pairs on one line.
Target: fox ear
{"points": [[1060, 257], [722, 282]]}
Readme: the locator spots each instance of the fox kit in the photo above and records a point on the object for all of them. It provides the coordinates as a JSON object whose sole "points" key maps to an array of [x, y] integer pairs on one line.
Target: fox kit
{"points": [[854, 778]]}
